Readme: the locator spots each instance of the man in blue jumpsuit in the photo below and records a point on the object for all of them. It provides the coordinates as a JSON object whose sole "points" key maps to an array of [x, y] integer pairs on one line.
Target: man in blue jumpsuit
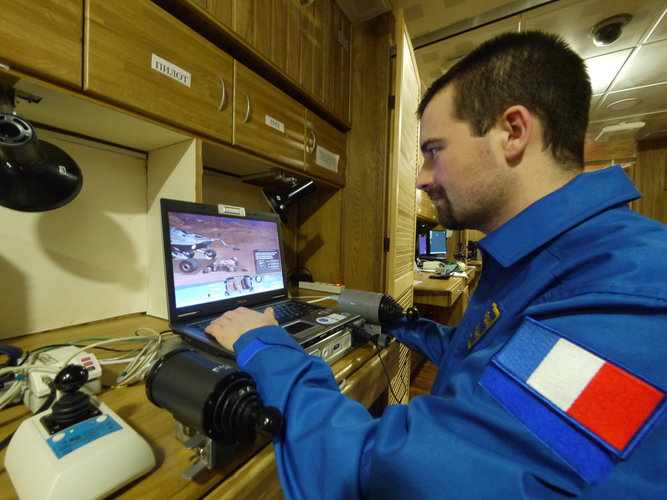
{"points": [[553, 385]]}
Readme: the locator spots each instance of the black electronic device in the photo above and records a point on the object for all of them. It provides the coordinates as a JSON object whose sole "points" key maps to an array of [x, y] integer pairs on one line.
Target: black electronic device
{"points": [[216, 402], [35, 175]]}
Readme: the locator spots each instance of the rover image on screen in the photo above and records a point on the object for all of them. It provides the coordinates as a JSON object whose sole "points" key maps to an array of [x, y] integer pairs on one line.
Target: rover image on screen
{"points": [[216, 257]]}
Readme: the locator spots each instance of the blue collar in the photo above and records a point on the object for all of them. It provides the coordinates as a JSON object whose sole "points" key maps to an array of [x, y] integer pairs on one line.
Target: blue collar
{"points": [[584, 196]]}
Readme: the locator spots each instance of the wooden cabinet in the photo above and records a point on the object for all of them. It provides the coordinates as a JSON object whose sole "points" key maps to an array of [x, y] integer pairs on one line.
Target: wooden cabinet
{"points": [[267, 122], [308, 44], [157, 67], [325, 150], [223, 11], [338, 78], [426, 208], [43, 38], [325, 55]]}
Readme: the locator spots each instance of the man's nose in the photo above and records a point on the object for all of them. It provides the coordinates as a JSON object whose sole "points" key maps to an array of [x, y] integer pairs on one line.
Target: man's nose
{"points": [[424, 178]]}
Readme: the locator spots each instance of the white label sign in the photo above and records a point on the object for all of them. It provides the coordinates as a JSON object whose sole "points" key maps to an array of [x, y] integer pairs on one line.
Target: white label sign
{"points": [[326, 159], [273, 123], [171, 70]]}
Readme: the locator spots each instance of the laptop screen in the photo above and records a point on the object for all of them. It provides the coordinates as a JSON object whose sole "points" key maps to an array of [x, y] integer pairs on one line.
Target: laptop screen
{"points": [[216, 262]]}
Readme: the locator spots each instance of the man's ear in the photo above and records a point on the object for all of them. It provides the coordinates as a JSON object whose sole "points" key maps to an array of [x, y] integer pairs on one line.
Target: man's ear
{"points": [[519, 126]]}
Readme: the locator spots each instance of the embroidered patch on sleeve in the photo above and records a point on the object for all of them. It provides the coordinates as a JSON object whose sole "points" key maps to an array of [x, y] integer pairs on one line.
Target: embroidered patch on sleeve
{"points": [[588, 410]]}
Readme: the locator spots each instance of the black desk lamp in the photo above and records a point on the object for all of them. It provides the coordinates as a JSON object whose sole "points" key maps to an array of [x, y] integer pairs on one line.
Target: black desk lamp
{"points": [[34, 175], [281, 201]]}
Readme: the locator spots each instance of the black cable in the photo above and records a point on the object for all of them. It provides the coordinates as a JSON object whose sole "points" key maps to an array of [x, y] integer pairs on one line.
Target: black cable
{"points": [[294, 276], [50, 398], [386, 373]]}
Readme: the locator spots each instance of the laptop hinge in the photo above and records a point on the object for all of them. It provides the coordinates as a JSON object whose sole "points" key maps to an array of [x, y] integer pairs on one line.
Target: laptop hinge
{"points": [[185, 315]]}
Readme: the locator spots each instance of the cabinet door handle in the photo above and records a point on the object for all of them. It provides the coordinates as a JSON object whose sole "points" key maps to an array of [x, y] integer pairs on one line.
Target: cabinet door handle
{"points": [[223, 97], [312, 141], [248, 109]]}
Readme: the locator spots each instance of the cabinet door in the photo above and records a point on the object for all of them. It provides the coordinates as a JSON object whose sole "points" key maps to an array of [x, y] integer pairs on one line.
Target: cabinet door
{"points": [[325, 55], [43, 38], [403, 167], [222, 10], [253, 23], [158, 67], [326, 150], [267, 122], [314, 44], [339, 78]]}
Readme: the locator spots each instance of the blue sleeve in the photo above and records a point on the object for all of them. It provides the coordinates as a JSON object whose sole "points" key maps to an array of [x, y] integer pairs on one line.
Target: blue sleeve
{"points": [[331, 448], [423, 336]]}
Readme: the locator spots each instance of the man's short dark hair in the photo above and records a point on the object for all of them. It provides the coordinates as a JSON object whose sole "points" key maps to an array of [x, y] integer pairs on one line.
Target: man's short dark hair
{"points": [[534, 69]]}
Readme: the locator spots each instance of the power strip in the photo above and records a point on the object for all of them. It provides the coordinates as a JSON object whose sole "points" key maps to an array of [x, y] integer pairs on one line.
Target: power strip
{"points": [[321, 287]]}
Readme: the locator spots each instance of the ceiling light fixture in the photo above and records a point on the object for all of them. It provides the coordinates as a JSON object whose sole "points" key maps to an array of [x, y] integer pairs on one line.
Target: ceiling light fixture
{"points": [[622, 127]]}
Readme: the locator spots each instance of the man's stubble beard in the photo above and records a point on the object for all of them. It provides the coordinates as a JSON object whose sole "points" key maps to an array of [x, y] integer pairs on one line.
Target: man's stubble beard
{"points": [[446, 215]]}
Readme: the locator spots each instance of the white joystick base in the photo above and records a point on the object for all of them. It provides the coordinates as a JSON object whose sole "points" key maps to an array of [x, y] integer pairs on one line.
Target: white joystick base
{"points": [[90, 459]]}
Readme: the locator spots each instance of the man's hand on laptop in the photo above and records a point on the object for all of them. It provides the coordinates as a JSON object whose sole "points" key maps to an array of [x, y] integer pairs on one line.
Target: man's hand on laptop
{"points": [[230, 326]]}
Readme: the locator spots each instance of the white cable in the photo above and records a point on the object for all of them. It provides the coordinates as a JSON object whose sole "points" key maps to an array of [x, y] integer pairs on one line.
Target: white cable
{"points": [[135, 370], [320, 299]]}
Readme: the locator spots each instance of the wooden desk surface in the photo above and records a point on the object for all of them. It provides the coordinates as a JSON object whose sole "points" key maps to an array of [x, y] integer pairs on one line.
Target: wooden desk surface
{"points": [[157, 426], [441, 293]]}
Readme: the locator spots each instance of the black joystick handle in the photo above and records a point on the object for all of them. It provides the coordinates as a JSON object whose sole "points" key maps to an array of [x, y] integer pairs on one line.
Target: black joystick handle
{"points": [[74, 406], [269, 420], [412, 314], [71, 378]]}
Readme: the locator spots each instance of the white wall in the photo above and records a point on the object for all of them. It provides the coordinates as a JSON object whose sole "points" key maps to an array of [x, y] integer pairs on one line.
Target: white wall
{"points": [[82, 262]]}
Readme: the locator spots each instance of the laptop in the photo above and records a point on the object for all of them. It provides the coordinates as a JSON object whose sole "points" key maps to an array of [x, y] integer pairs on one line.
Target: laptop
{"points": [[218, 258]]}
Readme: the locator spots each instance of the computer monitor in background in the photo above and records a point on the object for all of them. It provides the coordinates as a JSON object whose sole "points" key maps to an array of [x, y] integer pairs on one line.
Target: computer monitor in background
{"points": [[437, 242], [422, 245]]}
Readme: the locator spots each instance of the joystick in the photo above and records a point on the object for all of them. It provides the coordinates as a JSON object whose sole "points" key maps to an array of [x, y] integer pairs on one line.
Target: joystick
{"points": [[216, 402], [74, 406], [77, 449], [412, 314]]}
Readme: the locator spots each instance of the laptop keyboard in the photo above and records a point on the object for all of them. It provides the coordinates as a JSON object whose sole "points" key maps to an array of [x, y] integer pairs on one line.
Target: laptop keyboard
{"points": [[283, 312], [291, 310]]}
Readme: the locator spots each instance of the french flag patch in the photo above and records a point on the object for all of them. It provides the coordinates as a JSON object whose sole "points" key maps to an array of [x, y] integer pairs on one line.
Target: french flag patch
{"points": [[588, 410]]}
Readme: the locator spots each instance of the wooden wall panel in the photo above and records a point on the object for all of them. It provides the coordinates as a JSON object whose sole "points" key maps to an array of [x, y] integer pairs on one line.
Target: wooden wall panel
{"points": [[363, 202], [650, 176], [318, 237]]}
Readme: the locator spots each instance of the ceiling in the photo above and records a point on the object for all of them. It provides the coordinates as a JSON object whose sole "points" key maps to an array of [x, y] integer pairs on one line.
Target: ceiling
{"points": [[629, 77]]}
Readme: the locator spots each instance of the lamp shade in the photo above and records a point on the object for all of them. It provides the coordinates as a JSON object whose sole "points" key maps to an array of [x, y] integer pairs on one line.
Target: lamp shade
{"points": [[281, 201], [34, 175]]}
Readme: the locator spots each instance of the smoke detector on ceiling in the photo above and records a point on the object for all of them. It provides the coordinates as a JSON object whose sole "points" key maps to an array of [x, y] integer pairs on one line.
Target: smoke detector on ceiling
{"points": [[619, 128], [609, 30], [357, 11]]}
